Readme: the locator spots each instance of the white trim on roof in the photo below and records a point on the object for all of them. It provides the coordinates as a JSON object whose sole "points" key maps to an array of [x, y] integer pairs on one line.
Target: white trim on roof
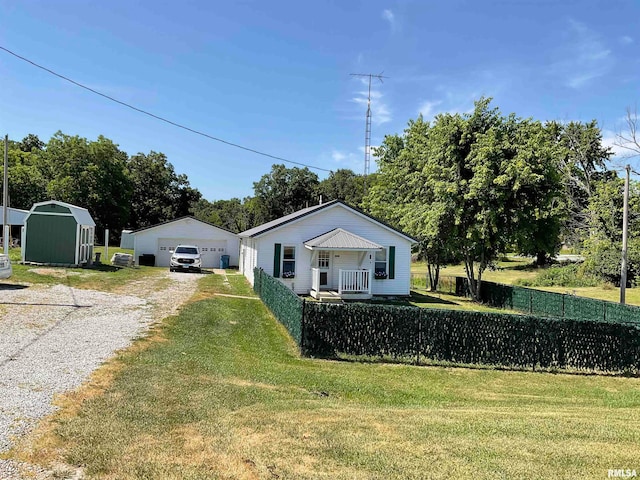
{"points": [[341, 239], [182, 219], [82, 215], [305, 213]]}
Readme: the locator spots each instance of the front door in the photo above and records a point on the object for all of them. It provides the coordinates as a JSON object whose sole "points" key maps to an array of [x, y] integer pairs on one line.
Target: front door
{"points": [[324, 265]]}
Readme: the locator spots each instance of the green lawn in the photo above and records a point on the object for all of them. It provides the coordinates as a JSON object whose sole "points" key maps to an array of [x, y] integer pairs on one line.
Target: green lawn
{"points": [[221, 392], [508, 272], [102, 277]]}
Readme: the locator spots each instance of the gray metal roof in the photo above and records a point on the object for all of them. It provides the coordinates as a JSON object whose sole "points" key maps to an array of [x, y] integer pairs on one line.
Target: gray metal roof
{"points": [[15, 216], [82, 215], [265, 227], [340, 239], [187, 217], [292, 217]]}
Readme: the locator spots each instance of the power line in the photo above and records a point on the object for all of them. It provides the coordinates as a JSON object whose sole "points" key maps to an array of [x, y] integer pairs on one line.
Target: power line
{"points": [[157, 117]]}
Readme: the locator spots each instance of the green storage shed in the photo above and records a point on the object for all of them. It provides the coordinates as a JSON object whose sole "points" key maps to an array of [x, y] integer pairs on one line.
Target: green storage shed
{"points": [[58, 233]]}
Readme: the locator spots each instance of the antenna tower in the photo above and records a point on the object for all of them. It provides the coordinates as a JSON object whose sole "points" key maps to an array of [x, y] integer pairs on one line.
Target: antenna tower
{"points": [[367, 131]]}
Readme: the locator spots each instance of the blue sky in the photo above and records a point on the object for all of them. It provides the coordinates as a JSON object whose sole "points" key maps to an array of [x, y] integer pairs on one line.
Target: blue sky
{"points": [[274, 76]]}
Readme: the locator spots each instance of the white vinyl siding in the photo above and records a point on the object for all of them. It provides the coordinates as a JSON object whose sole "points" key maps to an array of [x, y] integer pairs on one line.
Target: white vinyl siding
{"points": [[156, 240], [318, 223]]}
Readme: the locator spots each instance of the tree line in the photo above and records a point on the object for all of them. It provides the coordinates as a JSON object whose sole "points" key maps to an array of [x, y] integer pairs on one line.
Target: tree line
{"points": [[141, 190], [474, 186], [469, 187]]}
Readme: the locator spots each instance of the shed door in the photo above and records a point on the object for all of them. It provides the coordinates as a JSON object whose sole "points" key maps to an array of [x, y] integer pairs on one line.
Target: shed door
{"points": [[209, 249]]}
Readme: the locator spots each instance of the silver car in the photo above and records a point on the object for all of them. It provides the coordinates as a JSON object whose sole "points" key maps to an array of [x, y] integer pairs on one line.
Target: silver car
{"points": [[5, 266], [185, 257]]}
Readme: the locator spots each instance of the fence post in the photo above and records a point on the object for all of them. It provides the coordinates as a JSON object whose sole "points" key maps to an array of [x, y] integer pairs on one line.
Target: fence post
{"points": [[419, 339], [530, 301]]}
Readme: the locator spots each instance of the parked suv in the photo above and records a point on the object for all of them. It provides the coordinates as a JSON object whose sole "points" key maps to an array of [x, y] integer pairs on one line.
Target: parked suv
{"points": [[5, 266], [185, 257]]}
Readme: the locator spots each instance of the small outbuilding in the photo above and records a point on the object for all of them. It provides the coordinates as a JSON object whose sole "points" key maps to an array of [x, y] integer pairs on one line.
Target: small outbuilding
{"points": [[126, 239], [15, 221], [58, 233], [15, 216], [158, 241]]}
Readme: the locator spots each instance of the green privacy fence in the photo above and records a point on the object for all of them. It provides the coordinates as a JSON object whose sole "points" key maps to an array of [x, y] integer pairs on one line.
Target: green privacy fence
{"points": [[522, 341], [551, 304], [285, 305], [421, 334]]}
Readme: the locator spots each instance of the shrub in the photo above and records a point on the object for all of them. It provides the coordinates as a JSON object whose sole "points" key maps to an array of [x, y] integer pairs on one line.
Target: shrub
{"points": [[572, 275], [603, 260]]}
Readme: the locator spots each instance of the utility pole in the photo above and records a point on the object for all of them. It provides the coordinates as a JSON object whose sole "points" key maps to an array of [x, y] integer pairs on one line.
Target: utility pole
{"points": [[5, 196], [367, 131], [625, 229]]}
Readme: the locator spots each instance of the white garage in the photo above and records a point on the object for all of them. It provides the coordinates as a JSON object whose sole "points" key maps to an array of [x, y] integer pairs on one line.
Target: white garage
{"points": [[160, 239]]}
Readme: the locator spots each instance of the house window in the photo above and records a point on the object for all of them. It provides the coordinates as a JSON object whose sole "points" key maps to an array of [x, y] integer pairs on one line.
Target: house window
{"points": [[288, 262], [380, 270], [323, 259]]}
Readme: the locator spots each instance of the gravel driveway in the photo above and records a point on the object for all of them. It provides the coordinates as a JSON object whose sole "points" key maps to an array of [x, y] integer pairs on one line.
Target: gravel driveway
{"points": [[53, 337]]}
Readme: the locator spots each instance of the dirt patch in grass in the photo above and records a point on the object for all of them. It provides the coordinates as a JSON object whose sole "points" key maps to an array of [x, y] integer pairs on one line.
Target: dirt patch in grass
{"points": [[53, 272]]}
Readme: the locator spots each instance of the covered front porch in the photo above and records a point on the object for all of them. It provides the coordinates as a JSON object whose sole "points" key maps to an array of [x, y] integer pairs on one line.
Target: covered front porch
{"points": [[352, 285], [342, 266]]}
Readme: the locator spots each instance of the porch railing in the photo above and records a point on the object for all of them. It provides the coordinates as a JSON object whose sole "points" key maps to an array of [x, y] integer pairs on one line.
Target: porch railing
{"points": [[354, 281]]}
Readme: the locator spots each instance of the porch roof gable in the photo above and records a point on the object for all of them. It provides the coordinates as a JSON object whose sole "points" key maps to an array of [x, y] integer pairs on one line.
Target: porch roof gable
{"points": [[340, 239]]}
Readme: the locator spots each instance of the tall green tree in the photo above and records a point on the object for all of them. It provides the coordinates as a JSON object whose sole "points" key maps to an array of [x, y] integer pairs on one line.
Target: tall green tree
{"points": [[285, 190], [158, 194], [343, 184], [231, 214], [90, 174], [469, 185], [26, 182], [583, 161], [603, 247]]}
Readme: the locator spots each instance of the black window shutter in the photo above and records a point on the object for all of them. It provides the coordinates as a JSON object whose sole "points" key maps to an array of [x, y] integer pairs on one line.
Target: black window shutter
{"points": [[276, 259], [392, 262]]}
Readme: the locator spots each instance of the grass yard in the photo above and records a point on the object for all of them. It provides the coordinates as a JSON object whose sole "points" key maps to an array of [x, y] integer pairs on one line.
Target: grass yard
{"points": [[101, 277], [423, 298], [220, 392], [508, 272]]}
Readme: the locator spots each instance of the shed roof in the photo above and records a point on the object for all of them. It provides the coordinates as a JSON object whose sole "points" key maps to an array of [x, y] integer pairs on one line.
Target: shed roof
{"points": [[15, 216], [340, 239], [82, 215]]}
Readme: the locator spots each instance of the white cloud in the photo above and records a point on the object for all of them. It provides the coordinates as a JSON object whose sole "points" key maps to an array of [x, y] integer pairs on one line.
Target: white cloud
{"points": [[626, 40], [353, 160], [428, 109], [610, 139], [584, 58], [389, 17], [380, 112], [338, 156]]}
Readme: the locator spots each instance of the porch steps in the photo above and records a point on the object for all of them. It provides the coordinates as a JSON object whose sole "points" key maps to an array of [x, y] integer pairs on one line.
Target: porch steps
{"points": [[328, 297]]}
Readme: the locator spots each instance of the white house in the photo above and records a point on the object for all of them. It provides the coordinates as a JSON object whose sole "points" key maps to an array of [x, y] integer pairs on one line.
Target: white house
{"points": [[160, 239], [330, 250]]}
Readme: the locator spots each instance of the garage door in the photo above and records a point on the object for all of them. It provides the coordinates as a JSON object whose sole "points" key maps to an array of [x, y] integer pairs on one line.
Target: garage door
{"points": [[210, 250]]}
